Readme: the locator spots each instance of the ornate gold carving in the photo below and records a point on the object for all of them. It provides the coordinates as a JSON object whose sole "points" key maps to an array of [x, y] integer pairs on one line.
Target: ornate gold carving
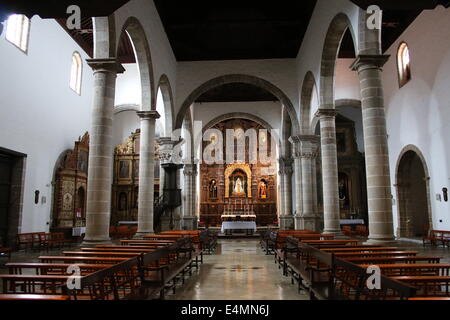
{"points": [[229, 171]]}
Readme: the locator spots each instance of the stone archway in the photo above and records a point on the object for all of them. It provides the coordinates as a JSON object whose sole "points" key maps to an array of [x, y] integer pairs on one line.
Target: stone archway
{"points": [[335, 33], [309, 83], [134, 29], [413, 194], [166, 91], [239, 78]]}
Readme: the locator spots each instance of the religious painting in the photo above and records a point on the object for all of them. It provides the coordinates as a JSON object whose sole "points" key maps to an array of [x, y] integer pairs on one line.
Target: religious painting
{"points": [[83, 161], [343, 188], [213, 189], [67, 202], [262, 189], [123, 201], [124, 169]]}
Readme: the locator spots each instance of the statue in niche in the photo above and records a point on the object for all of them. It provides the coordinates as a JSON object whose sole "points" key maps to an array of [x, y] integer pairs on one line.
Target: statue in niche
{"points": [[213, 189], [238, 186], [262, 190]]}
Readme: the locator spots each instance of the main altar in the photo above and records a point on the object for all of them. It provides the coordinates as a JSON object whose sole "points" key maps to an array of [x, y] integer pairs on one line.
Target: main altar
{"points": [[243, 191]]}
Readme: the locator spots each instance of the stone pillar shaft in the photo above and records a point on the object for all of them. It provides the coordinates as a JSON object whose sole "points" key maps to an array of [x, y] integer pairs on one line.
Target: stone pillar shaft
{"points": [[329, 171], [286, 193], [369, 68], [146, 172], [98, 208]]}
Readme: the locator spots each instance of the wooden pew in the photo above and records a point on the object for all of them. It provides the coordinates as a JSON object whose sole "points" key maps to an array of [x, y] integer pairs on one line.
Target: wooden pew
{"points": [[411, 269], [394, 260], [118, 249], [345, 255], [360, 249], [82, 259], [53, 268], [32, 297], [101, 254], [438, 285], [40, 284]]}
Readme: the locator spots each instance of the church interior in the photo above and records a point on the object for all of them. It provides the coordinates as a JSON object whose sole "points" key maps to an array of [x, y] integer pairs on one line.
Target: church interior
{"points": [[225, 150]]}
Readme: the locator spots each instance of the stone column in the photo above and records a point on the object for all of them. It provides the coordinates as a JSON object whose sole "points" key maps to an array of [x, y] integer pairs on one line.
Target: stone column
{"points": [[190, 172], [379, 196], [306, 217], [146, 173], [298, 181], [286, 219], [98, 208], [166, 146], [329, 171]]}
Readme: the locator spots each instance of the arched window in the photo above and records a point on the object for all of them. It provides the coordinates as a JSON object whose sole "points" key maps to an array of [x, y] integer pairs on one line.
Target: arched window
{"points": [[17, 30], [75, 73], [404, 64]]}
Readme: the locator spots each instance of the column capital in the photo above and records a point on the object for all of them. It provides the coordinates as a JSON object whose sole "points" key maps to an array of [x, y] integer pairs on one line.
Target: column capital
{"points": [[148, 115], [190, 170], [285, 165], [105, 65], [326, 112], [364, 61]]}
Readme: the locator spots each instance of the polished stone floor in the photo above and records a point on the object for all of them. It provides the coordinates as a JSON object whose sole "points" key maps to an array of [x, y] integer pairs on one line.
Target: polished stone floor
{"points": [[238, 271]]}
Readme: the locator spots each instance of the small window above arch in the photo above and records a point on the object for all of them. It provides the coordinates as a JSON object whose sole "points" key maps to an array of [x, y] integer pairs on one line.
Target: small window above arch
{"points": [[76, 72], [17, 31], [403, 64]]}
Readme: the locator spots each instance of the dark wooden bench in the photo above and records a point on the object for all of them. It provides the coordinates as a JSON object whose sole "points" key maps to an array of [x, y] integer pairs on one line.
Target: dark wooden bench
{"points": [[436, 237]]}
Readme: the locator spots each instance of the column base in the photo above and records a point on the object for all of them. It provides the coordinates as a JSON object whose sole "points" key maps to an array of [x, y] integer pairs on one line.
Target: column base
{"points": [[140, 235], [286, 223], [380, 240], [307, 223], [93, 243], [187, 223]]}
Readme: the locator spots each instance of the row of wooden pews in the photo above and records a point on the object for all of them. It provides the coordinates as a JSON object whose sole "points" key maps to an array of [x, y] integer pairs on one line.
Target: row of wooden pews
{"points": [[135, 269], [338, 270]]}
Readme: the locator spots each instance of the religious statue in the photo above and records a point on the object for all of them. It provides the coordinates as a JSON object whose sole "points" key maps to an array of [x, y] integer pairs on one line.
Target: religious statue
{"points": [[238, 189], [262, 190], [213, 189]]}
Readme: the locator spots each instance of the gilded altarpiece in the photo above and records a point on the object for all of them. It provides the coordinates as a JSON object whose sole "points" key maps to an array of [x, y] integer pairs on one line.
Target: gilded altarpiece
{"points": [[125, 189], [69, 206], [241, 187]]}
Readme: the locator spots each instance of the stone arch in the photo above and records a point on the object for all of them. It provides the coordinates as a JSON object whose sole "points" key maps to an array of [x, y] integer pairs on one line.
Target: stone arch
{"points": [[134, 29], [126, 107], [105, 37], [369, 40], [402, 185], [305, 102], [166, 90], [239, 78], [335, 33]]}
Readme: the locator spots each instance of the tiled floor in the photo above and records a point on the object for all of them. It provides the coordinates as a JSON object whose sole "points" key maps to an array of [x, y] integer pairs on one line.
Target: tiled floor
{"points": [[239, 271]]}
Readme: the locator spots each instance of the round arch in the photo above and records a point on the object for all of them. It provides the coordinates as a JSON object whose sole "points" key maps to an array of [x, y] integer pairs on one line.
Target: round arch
{"points": [[309, 83], [403, 188], [134, 29], [166, 91], [239, 78], [335, 33]]}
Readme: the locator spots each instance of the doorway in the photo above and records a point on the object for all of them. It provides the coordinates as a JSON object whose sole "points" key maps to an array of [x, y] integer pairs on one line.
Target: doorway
{"points": [[413, 195], [11, 195]]}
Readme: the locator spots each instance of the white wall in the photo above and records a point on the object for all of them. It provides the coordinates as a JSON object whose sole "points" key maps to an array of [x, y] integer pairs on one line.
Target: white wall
{"points": [[128, 86], [419, 112], [40, 115], [347, 81], [124, 123], [163, 58]]}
